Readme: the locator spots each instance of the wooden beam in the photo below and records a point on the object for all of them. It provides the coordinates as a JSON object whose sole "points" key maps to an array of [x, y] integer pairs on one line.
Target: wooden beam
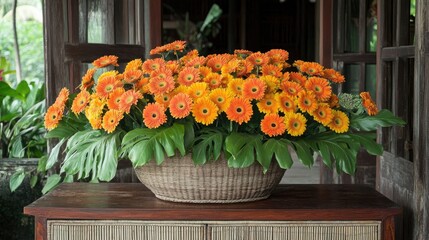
{"points": [[325, 37], [152, 25]]}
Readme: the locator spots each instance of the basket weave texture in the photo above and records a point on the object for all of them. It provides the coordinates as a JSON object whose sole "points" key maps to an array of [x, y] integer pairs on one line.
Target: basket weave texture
{"points": [[177, 179]]}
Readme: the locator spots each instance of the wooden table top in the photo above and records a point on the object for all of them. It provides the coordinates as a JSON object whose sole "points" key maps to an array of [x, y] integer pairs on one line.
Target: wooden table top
{"points": [[288, 202]]}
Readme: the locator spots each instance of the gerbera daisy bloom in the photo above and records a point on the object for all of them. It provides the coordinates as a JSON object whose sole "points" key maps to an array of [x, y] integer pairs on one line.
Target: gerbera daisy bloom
{"points": [[128, 99], [80, 102], [158, 50], [189, 56], [244, 68], [95, 107], [333, 75], [111, 120], [162, 73], [242, 52], [159, 85], [230, 66], [323, 114], [334, 101], [268, 104], [340, 122], [196, 62], [112, 73], [216, 63], [368, 103], [205, 111], [176, 46], [205, 71], [258, 59], [277, 55], [214, 80], [286, 103], [273, 83], [239, 110], [188, 75], [142, 85], [236, 86], [320, 87], [106, 85], [272, 70], [312, 68], [164, 99], [151, 65], [53, 116], [134, 65], [87, 79], [298, 64], [95, 121], [198, 90], [307, 101], [154, 115], [106, 61], [115, 98], [291, 88], [254, 88], [180, 105], [295, 124], [132, 76], [221, 97], [62, 98], [273, 125], [173, 66], [298, 78]]}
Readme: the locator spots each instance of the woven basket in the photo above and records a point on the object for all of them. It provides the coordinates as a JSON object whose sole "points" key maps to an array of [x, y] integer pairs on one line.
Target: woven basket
{"points": [[177, 179]]}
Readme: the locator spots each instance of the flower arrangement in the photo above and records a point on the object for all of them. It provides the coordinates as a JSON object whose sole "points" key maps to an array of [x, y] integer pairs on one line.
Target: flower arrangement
{"points": [[250, 106]]}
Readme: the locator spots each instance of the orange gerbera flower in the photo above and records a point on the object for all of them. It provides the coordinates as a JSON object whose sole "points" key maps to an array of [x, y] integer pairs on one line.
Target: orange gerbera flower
{"points": [[128, 99], [142, 85], [312, 68], [298, 77], [180, 105], [87, 79], [111, 120], [291, 88], [273, 125], [80, 102], [236, 86], [189, 56], [115, 98], [205, 71], [164, 99], [307, 101], [161, 73], [254, 88], [205, 111], [154, 115], [106, 61], [196, 62], [188, 75], [239, 110], [132, 76], [198, 90], [159, 85], [134, 65], [320, 87], [286, 103], [295, 124], [273, 83], [242, 52], [272, 70], [230, 66], [340, 122], [173, 66], [277, 55], [258, 59], [53, 116], [214, 80], [268, 104], [106, 85], [216, 62], [334, 102], [221, 97], [62, 98], [368, 103], [152, 65], [333, 75], [176, 46], [323, 114], [244, 68], [158, 50]]}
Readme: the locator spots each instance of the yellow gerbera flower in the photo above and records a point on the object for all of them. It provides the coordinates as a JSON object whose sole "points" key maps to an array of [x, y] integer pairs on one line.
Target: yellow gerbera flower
{"points": [[340, 122], [295, 124], [205, 111], [268, 104], [221, 97], [236, 86], [323, 114], [307, 101], [198, 90]]}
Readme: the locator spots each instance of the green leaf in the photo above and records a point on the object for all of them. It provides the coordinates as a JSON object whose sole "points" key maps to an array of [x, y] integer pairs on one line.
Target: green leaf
{"points": [[208, 145], [6, 90], [53, 156], [41, 164], [244, 149], [384, 118], [278, 148], [325, 154], [68, 179], [16, 179], [304, 152], [51, 182], [368, 143], [33, 181], [62, 131]]}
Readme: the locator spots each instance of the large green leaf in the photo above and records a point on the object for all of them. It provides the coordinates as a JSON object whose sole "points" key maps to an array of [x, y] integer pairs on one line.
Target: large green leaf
{"points": [[16, 179], [53, 156], [367, 140], [279, 149], [245, 149], [6, 90], [51, 182], [143, 144], [208, 145], [384, 118], [304, 152]]}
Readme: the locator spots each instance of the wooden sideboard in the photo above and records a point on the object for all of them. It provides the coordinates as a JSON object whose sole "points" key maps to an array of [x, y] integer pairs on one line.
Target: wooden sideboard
{"points": [[129, 211]]}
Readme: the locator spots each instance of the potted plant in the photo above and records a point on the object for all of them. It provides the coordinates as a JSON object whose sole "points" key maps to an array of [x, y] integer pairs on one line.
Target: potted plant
{"points": [[225, 111]]}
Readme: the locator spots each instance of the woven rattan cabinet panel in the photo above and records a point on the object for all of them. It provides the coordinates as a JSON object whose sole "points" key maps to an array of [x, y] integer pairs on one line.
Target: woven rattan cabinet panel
{"points": [[121, 230], [344, 230]]}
